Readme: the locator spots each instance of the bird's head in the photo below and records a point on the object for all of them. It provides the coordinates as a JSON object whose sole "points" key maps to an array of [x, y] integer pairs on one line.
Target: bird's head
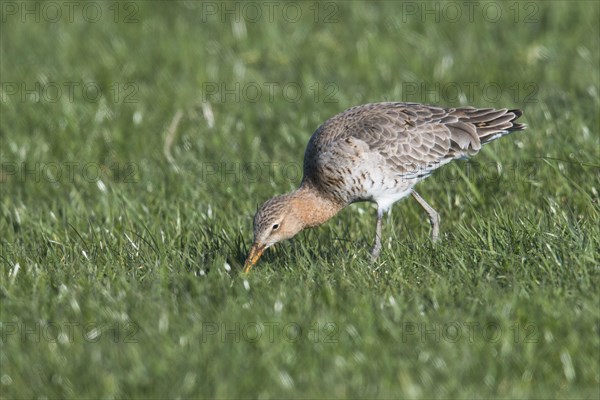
{"points": [[275, 220]]}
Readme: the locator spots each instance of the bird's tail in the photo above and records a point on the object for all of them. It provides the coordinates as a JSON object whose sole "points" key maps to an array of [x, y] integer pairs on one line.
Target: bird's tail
{"points": [[497, 124]]}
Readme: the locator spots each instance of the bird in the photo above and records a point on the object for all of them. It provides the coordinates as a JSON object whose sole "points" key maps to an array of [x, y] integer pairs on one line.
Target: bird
{"points": [[376, 152]]}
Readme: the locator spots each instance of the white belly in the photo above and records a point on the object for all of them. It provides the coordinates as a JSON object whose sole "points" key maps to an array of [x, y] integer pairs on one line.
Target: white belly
{"points": [[386, 198], [385, 189]]}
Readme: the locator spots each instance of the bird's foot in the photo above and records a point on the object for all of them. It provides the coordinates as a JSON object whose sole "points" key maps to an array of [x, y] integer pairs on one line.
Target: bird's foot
{"points": [[375, 251], [435, 227], [434, 217]]}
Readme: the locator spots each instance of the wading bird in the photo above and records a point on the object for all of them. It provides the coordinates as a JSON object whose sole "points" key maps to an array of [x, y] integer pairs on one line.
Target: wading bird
{"points": [[376, 152]]}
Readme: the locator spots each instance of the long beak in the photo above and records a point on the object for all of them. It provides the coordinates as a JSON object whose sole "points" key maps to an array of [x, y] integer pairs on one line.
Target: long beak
{"points": [[255, 252]]}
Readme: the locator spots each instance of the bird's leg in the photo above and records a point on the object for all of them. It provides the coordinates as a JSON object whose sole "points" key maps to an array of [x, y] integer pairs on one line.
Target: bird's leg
{"points": [[434, 217], [377, 246]]}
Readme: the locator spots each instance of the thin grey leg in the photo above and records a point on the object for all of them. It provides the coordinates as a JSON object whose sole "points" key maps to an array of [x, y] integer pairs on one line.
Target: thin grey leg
{"points": [[377, 246], [434, 217]]}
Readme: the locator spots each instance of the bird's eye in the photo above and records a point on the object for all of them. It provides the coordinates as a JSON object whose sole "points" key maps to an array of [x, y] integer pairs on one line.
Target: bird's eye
{"points": [[275, 227]]}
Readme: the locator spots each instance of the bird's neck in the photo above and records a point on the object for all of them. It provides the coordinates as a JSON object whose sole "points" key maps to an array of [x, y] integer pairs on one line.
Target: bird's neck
{"points": [[313, 208]]}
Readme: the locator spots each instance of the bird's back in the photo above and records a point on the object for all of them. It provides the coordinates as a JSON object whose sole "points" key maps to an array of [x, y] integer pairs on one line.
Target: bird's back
{"points": [[381, 150]]}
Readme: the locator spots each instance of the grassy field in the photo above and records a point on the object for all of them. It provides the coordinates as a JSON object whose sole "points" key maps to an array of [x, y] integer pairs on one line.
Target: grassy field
{"points": [[138, 138]]}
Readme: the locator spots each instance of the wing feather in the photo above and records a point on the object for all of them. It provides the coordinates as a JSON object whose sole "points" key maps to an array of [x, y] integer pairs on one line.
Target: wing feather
{"points": [[409, 135]]}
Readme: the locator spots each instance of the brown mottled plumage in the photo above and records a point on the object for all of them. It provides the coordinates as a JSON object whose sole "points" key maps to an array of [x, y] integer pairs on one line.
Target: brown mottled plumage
{"points": [[376, 152]]}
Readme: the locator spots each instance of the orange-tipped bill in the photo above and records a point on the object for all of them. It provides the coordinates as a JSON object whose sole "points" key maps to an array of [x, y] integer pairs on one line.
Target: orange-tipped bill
{"points": [[255, 252]]}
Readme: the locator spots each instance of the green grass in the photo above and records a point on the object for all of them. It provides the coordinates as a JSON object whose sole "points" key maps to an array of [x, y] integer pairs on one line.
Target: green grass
{"points": [[121, 268]]}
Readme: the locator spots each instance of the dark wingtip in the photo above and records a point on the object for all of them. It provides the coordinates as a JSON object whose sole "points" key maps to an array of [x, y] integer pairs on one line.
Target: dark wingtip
{"points": [[517, 112], [516, 127]]}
